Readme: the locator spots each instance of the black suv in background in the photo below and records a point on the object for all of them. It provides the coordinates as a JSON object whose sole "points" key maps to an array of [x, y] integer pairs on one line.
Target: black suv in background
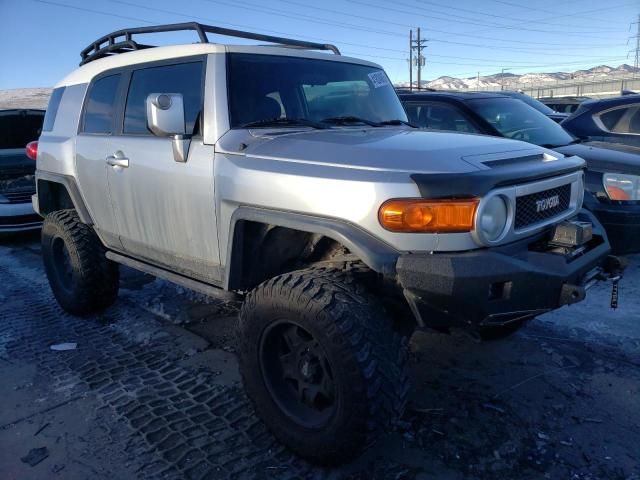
{"points": [[537, 104], [615, 120], [612, 180], [18, 127]]}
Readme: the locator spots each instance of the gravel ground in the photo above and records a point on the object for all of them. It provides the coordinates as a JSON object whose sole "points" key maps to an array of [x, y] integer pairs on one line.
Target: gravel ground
{"points": [[152, 391]]}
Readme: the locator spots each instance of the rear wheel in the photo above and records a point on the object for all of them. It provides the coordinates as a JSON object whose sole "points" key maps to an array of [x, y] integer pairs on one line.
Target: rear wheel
{"points": [[82, 279], [321, 363]]}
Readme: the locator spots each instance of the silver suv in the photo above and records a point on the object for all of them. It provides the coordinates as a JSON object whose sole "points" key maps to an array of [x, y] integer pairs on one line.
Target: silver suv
{"points": [[287, 175]]}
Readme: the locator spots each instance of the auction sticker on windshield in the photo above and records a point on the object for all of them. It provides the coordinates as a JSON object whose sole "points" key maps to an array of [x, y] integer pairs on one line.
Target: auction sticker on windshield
{"points": [[379, 79]]}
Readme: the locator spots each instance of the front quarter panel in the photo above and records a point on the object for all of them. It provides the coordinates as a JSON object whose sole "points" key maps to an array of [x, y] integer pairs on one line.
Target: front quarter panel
{"points": [[351, 195]]}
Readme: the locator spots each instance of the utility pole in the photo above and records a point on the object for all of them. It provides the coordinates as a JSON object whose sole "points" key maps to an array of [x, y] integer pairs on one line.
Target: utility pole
{"points": [[410, 60], [418, 45], [636, 62], [502, 78], [636, 51]]}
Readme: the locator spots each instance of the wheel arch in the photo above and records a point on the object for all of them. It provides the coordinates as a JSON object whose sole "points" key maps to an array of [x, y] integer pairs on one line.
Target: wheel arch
{"points": [[59, 192], [251, 225]]}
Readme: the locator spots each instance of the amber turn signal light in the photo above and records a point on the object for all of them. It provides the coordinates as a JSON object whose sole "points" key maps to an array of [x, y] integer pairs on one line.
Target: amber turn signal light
{"points": [[428, 216]]}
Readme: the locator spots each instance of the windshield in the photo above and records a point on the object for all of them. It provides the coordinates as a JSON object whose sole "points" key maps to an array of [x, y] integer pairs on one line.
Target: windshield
{"points": [[263, 88], [517, 120], [532, 102]]}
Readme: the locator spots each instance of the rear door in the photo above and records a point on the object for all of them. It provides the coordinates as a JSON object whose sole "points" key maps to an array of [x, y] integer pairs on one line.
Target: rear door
{"points": [[94, 143], [165, 210]]}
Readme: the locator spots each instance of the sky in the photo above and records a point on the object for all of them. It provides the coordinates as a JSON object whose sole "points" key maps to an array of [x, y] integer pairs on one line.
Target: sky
{"points": [[40, 40]]}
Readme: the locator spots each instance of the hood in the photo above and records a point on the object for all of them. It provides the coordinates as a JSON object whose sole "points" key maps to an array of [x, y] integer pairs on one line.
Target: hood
{"points": [[606, 157], [382, 149]]}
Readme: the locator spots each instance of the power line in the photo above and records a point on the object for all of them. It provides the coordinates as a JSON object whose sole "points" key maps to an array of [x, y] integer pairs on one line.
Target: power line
{"points": [[276, 12], [573, 14], [138, 19], [607, 8], [405, 25], [493, 15], [502, 62], [482, 24]]}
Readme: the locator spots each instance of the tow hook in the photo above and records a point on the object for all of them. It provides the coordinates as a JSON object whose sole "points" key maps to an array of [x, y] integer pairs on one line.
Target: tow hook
{"points": [[612, 269]]}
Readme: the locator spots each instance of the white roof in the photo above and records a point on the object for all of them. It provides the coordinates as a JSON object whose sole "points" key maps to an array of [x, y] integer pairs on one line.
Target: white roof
{"points": [[85, 73]]}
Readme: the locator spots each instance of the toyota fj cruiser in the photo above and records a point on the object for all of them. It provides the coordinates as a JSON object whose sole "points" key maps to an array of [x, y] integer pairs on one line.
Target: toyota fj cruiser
{"points": [[289, 176]]}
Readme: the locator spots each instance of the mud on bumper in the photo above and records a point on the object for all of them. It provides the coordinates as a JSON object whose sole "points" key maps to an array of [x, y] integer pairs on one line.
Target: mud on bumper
{"points": [[497, 286]]}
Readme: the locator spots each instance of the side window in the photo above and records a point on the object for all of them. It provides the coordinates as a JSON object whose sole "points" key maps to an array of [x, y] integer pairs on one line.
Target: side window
{"points": [[611, 118], [634, 122], [440, 116], [100, 106], [52, 109], [184, 78], [413, 113]]}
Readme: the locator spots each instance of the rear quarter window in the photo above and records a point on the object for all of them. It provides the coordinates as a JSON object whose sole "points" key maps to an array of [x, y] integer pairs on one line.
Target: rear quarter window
{"points": [[100, 106], [611, 118], [52, 109]]}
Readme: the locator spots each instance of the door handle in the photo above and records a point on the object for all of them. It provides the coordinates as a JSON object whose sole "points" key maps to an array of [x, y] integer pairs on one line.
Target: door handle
{"points": [[117, 161]]}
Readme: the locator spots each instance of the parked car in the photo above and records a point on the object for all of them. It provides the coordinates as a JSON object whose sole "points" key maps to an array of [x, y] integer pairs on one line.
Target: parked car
{"points": [[290, 178], [615, 120], [612, 176], [17, 172], [537, 104], [564, 104]]}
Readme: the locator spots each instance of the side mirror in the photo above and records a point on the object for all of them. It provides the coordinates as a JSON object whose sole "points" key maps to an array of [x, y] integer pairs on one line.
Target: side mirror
{"points": [[165, 118], [165, 114]]}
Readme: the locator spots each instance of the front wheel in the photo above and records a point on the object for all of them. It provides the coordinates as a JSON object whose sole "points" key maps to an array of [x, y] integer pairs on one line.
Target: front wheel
{"points": [[321, 363], [82, 279]]}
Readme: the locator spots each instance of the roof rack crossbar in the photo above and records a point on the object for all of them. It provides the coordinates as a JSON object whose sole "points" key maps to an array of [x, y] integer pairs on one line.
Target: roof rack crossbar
{"points": [[112, 44]]}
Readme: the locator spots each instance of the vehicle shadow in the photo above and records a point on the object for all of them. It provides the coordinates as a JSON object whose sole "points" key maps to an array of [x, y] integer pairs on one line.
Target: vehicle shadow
{"points": [[19, 238]]}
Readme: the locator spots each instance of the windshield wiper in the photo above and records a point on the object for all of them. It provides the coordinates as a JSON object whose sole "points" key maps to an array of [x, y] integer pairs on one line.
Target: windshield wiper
{"points": [[348, 119], [398, 122], [552, 145], [270, 122]]}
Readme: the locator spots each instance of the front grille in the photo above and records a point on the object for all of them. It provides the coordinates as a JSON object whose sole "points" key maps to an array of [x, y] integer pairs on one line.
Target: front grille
{"points": [[18, 197], [537, 207]]}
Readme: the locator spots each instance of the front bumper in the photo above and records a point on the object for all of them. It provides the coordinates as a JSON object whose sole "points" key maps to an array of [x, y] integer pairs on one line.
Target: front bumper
{"points": [[497, 286], [18, 217]]}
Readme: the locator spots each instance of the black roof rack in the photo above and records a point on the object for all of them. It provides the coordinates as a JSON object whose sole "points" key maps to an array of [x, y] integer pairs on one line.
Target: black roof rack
{"points": [[122, 40]]}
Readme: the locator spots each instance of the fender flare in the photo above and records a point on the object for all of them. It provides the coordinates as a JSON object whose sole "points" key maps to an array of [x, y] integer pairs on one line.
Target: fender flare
{"points": [[375, 253], [69, 183]]}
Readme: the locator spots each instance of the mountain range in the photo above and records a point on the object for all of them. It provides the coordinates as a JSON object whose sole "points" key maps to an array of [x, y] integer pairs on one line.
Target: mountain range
{"points": [[498, 79], [39, 97]]}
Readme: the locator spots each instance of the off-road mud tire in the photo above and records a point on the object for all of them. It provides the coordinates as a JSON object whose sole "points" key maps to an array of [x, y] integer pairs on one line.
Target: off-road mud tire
{"points": [[93, 281], [368, 359]]}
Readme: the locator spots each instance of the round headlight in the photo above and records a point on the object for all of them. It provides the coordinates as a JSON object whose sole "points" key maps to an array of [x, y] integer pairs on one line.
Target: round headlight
{"points": [[493, 218]]}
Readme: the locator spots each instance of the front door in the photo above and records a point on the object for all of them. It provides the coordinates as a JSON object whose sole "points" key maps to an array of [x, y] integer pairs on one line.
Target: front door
{"points": [[165, 210]]}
